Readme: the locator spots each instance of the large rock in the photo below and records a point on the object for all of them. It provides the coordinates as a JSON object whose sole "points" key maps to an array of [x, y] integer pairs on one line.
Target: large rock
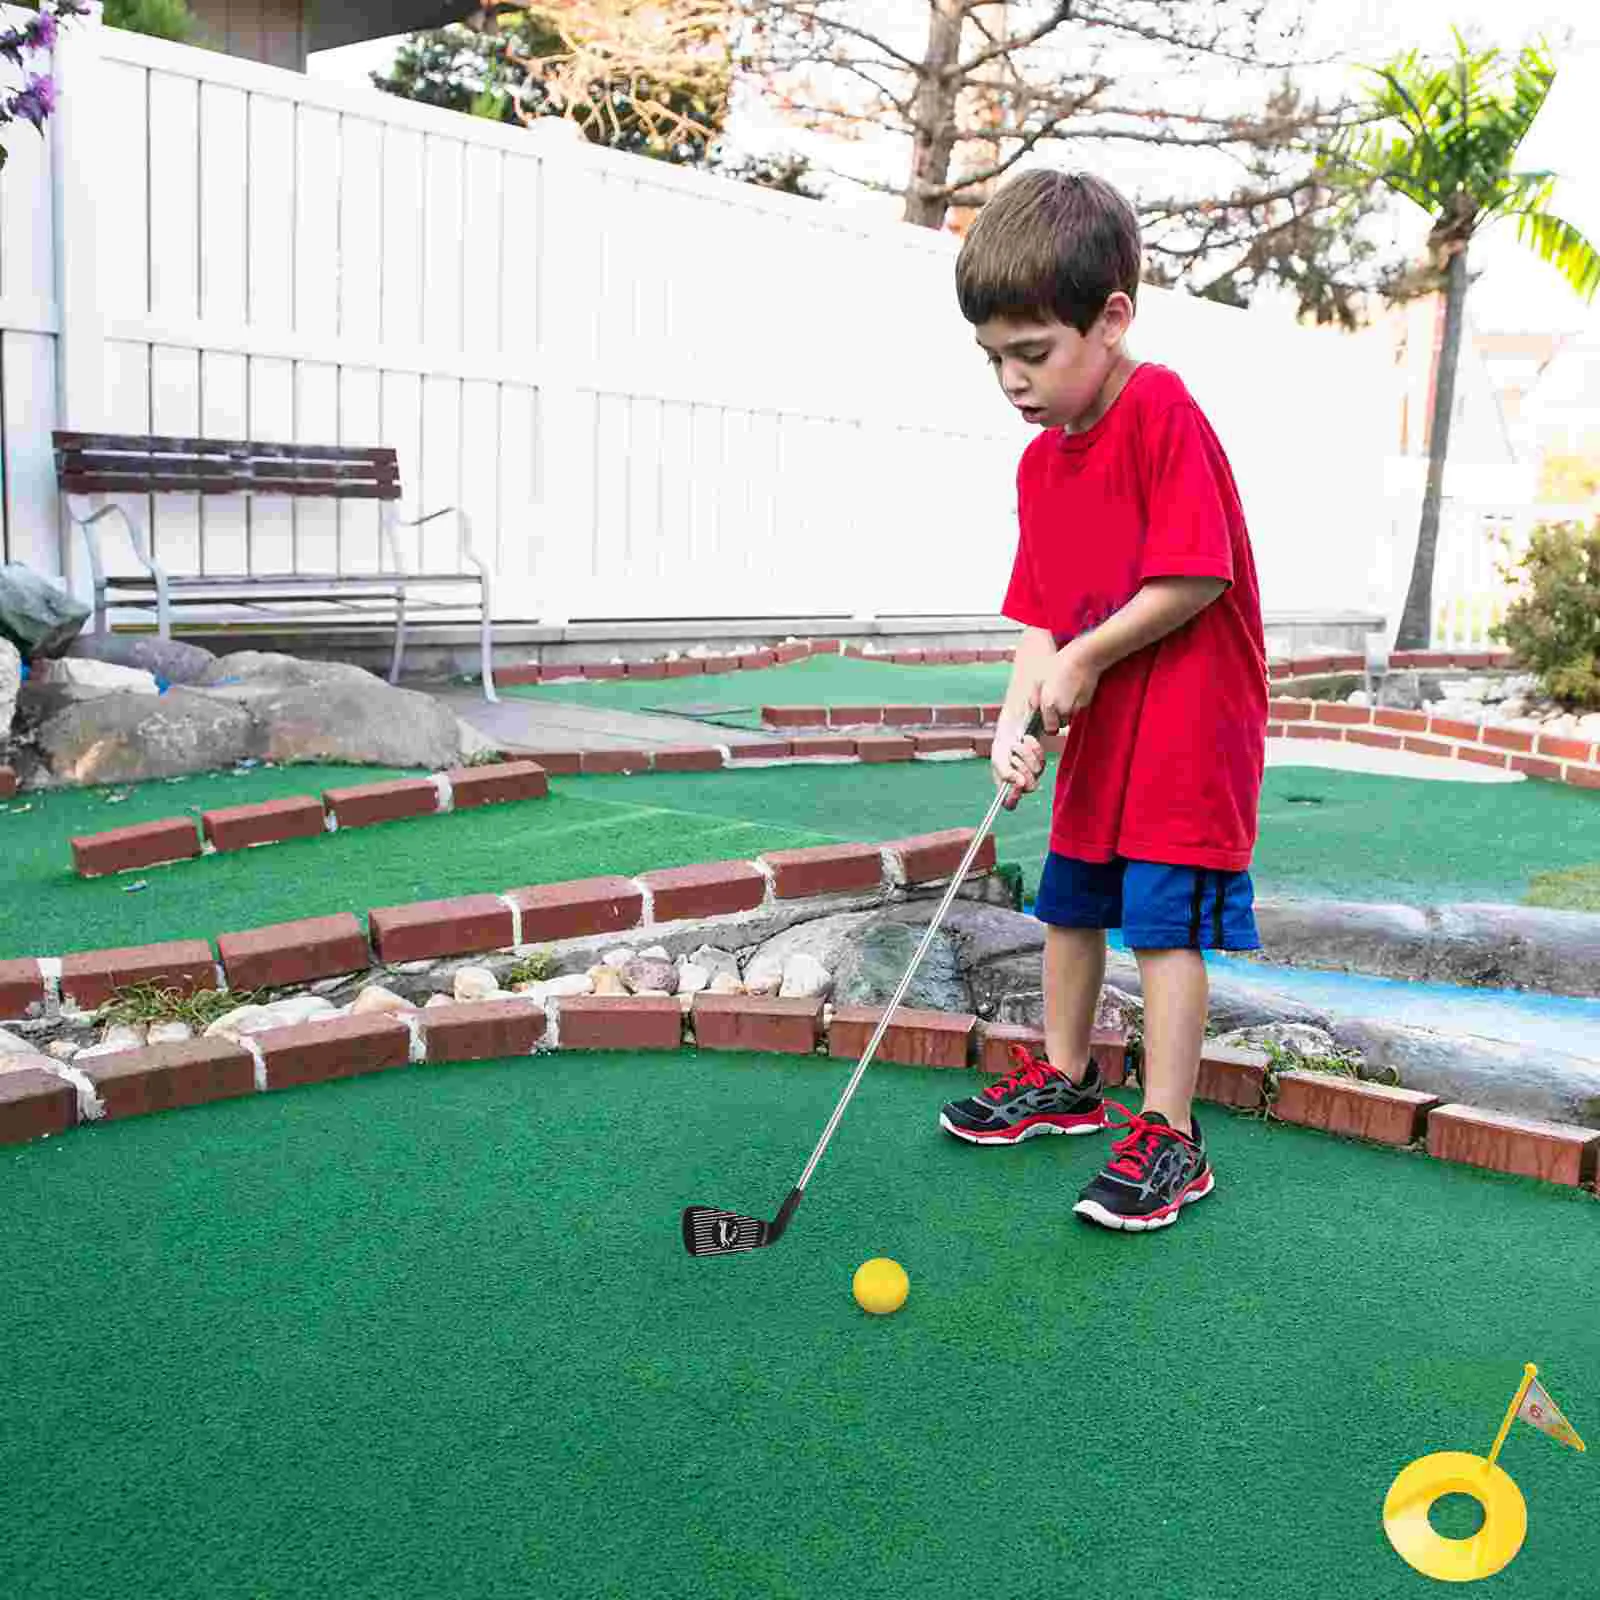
{"points": [[126, 738], [1529, 1082], [10, 683], [877, 957], [364, 723], [247, 669], [332, 711], [37, 614], [170, 660], [1512, 947], [89, 677]]}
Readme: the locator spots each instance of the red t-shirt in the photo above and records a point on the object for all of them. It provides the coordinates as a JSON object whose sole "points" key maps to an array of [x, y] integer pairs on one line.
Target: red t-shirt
{"points": [[1165, 762]]}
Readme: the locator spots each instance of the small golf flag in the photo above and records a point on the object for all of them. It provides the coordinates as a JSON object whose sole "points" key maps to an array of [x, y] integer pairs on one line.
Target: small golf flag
{"points": [[1538, 1408]]}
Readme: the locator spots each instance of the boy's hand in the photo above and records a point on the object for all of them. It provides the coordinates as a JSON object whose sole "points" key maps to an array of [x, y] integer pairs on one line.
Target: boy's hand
{"points": [[1068, 687], [1016, 758]]}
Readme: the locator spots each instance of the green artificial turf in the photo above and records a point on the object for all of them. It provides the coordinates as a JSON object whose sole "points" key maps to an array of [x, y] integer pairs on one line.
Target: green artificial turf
{"points": [[1323, 835], [433, 1332], [821, 680]]}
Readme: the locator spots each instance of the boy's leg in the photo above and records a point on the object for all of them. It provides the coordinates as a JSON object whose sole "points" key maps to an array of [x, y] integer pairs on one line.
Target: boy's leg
{"points": [[1077, 902], [1074, 971], [1170, 914], [1176, 993]]}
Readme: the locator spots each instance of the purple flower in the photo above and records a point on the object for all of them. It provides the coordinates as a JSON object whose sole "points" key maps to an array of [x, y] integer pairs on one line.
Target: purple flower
{"points": [[12, 43], [42, 32], [36, 102]]}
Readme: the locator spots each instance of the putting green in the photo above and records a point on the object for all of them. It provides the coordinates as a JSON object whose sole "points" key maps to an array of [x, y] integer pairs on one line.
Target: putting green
{"points": [[1323, 834], [432, 1332], [822, 680]]}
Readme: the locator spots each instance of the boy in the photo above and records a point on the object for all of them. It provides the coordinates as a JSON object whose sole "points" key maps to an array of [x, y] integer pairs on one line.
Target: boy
{"points": [[1135, 585]]}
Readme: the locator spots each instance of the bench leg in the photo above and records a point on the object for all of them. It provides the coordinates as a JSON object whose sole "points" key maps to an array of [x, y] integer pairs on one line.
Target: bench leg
{"points": [[399, 635], [487, 644]]}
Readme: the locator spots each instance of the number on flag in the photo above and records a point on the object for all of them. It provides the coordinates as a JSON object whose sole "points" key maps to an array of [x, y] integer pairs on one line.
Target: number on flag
{"points": [[1538, 1408]]}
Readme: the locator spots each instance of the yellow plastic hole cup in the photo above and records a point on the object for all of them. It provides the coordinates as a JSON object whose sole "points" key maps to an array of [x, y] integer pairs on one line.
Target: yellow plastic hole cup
{"points": [[1429, 1478], [880, 1286]]}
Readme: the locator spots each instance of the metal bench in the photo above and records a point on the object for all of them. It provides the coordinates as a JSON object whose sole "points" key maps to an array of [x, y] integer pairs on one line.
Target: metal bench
{"points": [[96, 465]]}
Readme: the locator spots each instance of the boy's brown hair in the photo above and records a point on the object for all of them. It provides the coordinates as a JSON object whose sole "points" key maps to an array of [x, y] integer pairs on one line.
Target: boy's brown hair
{"points": [[1050, 244]]}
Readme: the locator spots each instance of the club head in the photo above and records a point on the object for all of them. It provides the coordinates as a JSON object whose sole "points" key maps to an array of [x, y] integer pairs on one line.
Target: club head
{"points": [[709, 1232]]}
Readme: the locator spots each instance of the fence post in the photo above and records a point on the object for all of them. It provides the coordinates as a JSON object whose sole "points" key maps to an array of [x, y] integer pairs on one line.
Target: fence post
{"points": [[566, 300], [80, 343]]}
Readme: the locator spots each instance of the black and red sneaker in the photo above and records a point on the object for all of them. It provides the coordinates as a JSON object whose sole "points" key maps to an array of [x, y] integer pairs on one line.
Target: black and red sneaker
{"points": [[1036, 1098], [1153, 1173]]}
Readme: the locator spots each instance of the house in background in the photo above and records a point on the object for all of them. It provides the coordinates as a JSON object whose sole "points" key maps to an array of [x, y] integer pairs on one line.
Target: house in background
{"points": [[282, 33]]}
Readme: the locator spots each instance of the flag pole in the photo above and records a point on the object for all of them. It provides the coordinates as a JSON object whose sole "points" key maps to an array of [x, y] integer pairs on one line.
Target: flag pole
{"points": [[1529, 1373]]}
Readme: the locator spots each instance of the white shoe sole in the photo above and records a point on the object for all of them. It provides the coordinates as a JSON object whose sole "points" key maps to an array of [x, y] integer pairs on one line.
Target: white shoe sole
{"points": [[1095, 1212], [967, 1135]]}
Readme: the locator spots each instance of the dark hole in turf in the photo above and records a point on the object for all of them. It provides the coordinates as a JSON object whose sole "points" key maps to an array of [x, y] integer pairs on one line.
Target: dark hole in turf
{"points": [[1304, 799], [1455, 1516]]}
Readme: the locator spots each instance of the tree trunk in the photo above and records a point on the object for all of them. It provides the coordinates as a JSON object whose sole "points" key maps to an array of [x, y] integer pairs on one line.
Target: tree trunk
{"points": [[933, 115], [1416, 620]]}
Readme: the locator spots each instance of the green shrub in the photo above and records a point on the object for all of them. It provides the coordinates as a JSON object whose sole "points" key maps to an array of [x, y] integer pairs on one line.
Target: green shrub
{"points": [[160, 19], [1553, 629]]}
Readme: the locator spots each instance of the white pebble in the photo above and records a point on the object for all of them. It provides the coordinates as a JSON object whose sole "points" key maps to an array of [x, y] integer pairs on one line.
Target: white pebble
{"points": [[476, 983]]}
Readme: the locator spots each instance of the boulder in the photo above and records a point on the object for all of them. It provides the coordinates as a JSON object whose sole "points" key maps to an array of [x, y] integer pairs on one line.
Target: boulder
{"points": [[10, 684], [169, 660], [37, 614], [347, 720], [125, 738], [1513, 947], [94, 677], [877, 957], [1488, 1073], [247, 669]]}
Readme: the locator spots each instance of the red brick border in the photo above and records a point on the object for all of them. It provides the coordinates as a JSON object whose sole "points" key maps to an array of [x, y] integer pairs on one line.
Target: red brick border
{"points": [[294, 952], [345, 1047], [1352, 1108], [88, 977], [425, 929], [270, 822], [757, 1022], [21, 986], [168, 1077], [35, 1103], [145, 844], [637, 1022], [915, 1037], [1553, 1151], [481, 1030]]}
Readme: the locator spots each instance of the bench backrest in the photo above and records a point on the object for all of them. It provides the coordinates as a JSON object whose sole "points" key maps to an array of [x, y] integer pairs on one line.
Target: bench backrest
{"points": [[131, 463]]}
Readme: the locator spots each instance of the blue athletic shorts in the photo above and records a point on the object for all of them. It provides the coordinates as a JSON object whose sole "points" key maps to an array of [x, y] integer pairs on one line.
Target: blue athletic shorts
{"points": [[1157, 907]]}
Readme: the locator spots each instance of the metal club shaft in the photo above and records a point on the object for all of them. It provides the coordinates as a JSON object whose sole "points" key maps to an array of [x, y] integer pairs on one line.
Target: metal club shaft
{"points": [[905, 983]]}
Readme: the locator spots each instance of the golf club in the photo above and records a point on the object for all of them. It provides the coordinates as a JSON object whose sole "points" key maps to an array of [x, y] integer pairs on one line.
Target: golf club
{"points": [[710, 1232]]}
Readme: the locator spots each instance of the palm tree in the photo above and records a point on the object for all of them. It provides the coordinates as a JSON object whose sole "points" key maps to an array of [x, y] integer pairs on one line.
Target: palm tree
{"points": [[1445, 136]]}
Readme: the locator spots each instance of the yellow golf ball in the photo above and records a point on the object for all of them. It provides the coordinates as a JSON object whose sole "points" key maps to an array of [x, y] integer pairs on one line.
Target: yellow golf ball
{"points": [[880, 1286]]}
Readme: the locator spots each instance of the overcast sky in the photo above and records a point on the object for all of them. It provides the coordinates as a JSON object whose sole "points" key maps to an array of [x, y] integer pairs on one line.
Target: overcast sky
{"points": [[1515, 292]]}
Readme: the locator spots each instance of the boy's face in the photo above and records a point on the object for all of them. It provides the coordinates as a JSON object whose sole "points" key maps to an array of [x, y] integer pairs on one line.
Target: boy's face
{"points": [[1054, 375]]}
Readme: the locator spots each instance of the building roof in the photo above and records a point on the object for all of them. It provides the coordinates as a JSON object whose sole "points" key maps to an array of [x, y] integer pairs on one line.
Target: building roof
{"points": [[333, 23]]}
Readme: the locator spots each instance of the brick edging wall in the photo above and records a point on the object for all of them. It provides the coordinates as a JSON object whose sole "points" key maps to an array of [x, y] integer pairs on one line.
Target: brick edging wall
{"points": [[754, 660], [41, 1097], [335, 946], [532, 672], [1539, 755], [149, 844]]}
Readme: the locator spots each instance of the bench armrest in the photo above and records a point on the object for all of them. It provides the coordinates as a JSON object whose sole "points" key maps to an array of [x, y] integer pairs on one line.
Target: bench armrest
{"points": [[463, 534], [137, 537]]}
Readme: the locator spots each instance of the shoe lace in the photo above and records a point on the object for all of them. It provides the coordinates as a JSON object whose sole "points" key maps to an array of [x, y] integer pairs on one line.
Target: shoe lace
{"points": [[1132, 1154], [1027, 1072]]}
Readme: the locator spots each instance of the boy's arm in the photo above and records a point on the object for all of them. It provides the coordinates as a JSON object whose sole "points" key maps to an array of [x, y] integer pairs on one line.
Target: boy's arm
{"points": [[1160, 607], [1030, 665]]}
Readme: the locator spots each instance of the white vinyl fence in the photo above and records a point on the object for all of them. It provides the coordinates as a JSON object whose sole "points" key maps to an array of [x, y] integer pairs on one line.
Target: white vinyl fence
{"points": [[658, 394]]}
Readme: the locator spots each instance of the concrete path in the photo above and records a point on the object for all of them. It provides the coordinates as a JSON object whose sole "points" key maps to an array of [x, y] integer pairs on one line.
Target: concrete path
{"points": [[560, 725]]}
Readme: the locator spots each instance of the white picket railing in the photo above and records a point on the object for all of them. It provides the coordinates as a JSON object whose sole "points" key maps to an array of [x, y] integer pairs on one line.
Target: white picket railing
{"points": [[658, 394], [1474, 576]]}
